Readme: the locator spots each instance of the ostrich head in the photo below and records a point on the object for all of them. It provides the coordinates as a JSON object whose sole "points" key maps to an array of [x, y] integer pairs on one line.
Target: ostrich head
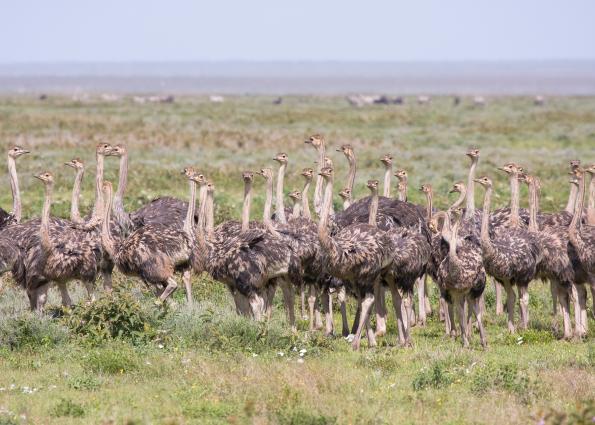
{"points": [[75, 163], [345, 193], [484, 181], [387, 160], [307, 173], [103, 149], [267, 173], [347, 150], [188, 171], [529, 180], [590, 169], [511, 168], [372, 185], [195, 176], [315, 140], [47, 178], [210, 187], [574, 164], [473, 153], [426, 188], [401, 175], [17, 151], [458, 187], [326, 173], [295, 195], [281, 158], [117, 150], [248, 176]]}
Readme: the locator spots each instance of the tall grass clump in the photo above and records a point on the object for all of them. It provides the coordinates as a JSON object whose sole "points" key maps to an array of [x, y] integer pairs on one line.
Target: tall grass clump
{"points": [[30, 331], [508, 377]]}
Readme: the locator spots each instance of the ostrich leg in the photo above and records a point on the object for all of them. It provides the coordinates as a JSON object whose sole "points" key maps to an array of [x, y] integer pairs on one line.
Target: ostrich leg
{"points": [[341, 297], [474, 303], [367, 304], [510, 302], [421, 300], [398, 306], [524, 304], [303, 301], [563, 296], [172, 285], [380, 305], [66, 301], [428, 304], [499, 303], [311, 303], [581, 303], [327, 309], [460, 303], [186, 276], [289, 301], [554, 292]]}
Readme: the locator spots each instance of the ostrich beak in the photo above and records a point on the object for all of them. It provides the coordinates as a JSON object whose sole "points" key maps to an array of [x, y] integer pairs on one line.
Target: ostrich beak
{"points": [[502, 169], [453, 190], [38, 176]]}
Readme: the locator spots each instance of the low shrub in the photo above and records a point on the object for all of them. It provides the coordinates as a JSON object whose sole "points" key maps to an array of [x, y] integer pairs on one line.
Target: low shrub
{"points": [[529, 336], [116, 315], [31, 331], [84, 382], [507, 377], [303, 417], [435, 376], [67, 407]]}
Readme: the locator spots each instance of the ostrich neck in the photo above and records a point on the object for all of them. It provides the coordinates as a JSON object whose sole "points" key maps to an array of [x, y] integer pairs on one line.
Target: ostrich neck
{"points": [[470, 206], [452, 249], [280, 208], [346, 204], [203, 244], [295, 213], [403, 193], [246, 206], [98, 207], [75, 214], [446, 231], [44, 228], [210, 214], [122, 183], [318, 188], [305, 202], [514, 219], [202, 191], [325, 239], [387, 174], [106, 238], [533, 208], [189, 220], [591, 204], [373, 209], [268, 201], [14, 187], [351, 175], [459, 201], [578, 205], [486, 243], [429, 206], [571, 199]]}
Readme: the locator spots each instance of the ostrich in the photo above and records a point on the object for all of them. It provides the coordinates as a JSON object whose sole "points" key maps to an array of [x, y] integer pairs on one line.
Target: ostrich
{"points": [[387, 161], [248, 261], [582, 239], [511, 257], [350, 155], [318, 143], [359, 253], [555, 265], [402, 176], [462, 277], [345, 195], [57, 254], [281, 158], [307, 174], [460, 188], [13, 154], [79, 167], [591, 204], [563, 218], [155, 251], [425, 307], [296, 199]]}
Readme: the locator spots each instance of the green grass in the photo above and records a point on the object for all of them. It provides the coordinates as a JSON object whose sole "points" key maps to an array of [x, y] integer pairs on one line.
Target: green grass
{"points": [[203, 364]]}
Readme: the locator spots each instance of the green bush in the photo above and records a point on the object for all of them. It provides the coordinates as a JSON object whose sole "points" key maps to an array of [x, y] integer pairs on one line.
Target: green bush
{"points": [[114, 315], [84, 382], [113, 359], [67, 407], [31, 331], [384, 361], [529, 336], [435, 376]]}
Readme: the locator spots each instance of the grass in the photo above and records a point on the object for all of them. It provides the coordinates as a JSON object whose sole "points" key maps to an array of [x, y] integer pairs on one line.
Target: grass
{"points": [[203, 364]]}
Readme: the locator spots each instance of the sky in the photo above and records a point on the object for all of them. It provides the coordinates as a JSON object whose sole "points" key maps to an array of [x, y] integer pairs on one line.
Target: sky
{"points": [[278, 30]]}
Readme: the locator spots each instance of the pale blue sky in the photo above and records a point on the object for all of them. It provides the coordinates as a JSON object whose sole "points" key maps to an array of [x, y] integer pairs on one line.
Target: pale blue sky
{"points": [[146, 30]]}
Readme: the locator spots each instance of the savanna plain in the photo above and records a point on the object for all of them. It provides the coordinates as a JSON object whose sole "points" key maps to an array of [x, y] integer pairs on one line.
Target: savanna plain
{"points": [[124, 359]]}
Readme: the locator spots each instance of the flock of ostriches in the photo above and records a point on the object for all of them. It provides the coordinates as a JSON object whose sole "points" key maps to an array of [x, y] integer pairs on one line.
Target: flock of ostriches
{"points": [[374, 244]]}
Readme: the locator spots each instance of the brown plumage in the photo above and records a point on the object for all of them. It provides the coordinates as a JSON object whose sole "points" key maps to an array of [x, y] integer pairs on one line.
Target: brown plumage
{"points": [[462, 277], [56, 254], [359, 253], [153, 252], [511, 257]]}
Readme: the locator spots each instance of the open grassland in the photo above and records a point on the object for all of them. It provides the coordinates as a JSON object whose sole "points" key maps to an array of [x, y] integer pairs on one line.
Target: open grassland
{"points": [[202, 364]]}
